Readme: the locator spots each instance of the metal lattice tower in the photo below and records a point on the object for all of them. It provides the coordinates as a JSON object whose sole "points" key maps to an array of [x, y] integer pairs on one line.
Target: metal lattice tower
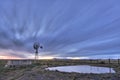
{"points": [[36, 46]]}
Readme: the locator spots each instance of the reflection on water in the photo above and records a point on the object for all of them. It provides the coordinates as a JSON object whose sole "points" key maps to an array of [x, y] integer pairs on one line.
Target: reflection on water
{"points": [[83, 69]]}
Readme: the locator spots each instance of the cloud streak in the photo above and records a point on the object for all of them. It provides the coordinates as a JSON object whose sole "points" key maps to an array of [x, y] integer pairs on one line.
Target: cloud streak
{"points": [[74, 28]]}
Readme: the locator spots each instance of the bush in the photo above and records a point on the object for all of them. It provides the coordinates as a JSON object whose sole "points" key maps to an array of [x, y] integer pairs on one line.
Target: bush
{"points": [[102, 62]]}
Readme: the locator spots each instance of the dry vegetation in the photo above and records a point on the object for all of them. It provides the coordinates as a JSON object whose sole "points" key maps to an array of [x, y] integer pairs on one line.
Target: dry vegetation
{"points": [[37, 71]]}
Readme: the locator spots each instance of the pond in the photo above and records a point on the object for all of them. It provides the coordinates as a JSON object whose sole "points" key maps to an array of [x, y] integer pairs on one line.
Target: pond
{"points": [[83, 69]]}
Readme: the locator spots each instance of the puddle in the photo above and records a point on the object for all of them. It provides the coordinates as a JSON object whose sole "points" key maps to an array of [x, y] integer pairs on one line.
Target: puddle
{"points": [[83, 69]]}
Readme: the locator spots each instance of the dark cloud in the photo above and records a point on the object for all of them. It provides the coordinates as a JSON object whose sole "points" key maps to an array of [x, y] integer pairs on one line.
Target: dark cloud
{"points": [[64, 28]]}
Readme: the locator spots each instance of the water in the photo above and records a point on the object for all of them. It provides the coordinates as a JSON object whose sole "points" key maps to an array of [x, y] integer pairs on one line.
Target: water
{"points": [[83, 69]]}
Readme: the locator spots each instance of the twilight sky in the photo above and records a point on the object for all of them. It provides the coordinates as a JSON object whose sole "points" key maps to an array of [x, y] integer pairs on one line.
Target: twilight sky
{"points": [[65, 28]]}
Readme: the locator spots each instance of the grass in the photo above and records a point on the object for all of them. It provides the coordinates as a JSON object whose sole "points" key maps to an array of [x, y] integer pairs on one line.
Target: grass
{"points": [[41, 64]]}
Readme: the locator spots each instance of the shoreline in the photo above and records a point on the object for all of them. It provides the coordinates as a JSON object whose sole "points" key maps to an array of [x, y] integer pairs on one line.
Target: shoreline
{"points": [[38, 72]]}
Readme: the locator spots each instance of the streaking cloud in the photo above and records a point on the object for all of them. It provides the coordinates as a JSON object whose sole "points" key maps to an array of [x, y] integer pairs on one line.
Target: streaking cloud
{"points": [[65, 28]]}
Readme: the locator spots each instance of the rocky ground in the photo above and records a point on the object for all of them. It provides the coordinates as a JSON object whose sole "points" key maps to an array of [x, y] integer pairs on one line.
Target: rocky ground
{"points": [[39, 73]]}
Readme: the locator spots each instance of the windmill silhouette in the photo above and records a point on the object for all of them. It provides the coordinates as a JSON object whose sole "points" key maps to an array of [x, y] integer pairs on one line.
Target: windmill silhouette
{"points": [[36, 46]]}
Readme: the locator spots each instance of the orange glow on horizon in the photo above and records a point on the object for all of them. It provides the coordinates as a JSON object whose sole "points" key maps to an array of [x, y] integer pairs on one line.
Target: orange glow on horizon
{"points": [[9, 57], [42, 57]]}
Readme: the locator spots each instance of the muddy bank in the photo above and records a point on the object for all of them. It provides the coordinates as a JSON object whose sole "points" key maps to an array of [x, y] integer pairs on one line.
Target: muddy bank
{"points": [[38, 72]]}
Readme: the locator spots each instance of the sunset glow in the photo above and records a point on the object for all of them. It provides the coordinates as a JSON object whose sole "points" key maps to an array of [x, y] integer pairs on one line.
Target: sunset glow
{"points": [[75, 29]]}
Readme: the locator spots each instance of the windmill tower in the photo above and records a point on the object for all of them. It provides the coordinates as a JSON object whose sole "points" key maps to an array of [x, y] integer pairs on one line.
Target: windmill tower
{"points": [[36, 46]]}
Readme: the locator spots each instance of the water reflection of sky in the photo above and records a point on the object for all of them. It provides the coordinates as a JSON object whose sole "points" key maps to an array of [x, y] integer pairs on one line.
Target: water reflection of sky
{"points": [[83, 69]]}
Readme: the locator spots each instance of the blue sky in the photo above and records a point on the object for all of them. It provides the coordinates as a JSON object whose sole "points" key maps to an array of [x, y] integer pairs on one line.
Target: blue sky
{"points": [[65, 28]]}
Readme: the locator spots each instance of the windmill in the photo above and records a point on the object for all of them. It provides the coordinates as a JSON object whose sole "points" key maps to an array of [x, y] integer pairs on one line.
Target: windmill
{"points": [[36, 46]]}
